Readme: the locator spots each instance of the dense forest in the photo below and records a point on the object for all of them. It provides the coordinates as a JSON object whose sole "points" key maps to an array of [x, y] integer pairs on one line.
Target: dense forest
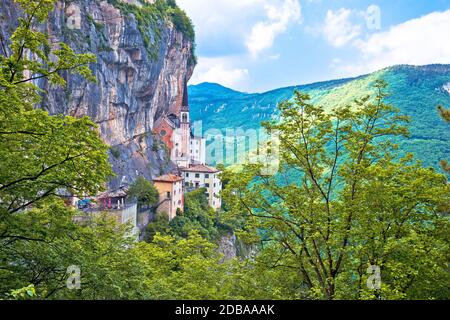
{"points": [[341, 210]]}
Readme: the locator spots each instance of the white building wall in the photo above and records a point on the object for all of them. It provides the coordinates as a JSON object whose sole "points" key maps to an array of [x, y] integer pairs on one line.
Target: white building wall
{"points": [[129, 216], [177, 153], [210, 181], [198, 150]]}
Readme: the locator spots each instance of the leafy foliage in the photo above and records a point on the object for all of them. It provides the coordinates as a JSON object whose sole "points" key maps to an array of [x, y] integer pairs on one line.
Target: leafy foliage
{"points": [[144, 191], [197, 217], [43, 157], [160, 225], [182, 22], [445, 114], [186, 269], [341, 204]]}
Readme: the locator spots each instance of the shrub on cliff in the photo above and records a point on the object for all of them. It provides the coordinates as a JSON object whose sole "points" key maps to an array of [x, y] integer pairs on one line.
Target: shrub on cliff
{"points": [[144, 191]]}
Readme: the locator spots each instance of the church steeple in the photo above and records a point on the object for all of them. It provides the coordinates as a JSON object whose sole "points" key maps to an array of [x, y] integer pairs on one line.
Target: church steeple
{"points": [[185, 103]]}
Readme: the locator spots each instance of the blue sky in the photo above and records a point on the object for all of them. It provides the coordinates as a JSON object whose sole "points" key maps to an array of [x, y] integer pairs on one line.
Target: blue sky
{"points": [[259, 45]]}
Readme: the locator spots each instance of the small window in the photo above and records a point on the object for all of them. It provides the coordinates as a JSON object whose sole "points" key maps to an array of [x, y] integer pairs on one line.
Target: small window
{"points": [[207, 176], [207, 185], [214, 185], [197, 175], [175, 192], [168, 195], [186, 184], [187, 175], [163, 133], [179, 202]]}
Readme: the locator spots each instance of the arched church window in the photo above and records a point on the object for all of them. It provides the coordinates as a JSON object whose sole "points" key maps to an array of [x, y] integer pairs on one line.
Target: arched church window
{"points": [[185, 118]]}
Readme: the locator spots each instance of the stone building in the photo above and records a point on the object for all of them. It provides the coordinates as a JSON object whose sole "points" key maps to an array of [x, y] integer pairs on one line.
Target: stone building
{"points": [[171, 194]]}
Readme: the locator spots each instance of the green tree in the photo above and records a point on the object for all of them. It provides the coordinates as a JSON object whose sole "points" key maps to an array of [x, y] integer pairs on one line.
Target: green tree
{"points": [[160, 225], [445, 114], [187, 269], [198, 216], [144, 191], [99, 247], [341, 203], [43, 158], [42, 154]]}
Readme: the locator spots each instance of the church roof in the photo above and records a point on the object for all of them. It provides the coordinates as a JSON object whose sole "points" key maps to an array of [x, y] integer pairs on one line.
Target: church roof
{"points": [[167, 119], [119, 193], [200, 168], [172, 178]]}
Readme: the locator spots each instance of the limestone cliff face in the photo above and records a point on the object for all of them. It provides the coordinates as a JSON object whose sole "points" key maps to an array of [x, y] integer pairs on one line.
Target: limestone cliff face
{"points": [[135, 85]]}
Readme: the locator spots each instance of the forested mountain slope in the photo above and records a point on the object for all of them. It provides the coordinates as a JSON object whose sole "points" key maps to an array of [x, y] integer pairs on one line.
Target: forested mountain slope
{"points": [[415, 90]]}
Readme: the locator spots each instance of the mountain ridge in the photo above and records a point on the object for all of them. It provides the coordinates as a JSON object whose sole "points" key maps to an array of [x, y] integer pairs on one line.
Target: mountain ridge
{"points": [[345, 79], [415, 90]]}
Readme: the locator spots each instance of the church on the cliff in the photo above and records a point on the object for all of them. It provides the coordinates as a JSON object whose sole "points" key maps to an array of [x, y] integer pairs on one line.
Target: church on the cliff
{"points": [[188, 152], [176, 132]]}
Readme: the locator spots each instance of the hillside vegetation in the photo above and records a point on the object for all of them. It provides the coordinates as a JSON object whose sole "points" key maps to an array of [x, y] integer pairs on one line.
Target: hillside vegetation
{"points": [[416, 91]]}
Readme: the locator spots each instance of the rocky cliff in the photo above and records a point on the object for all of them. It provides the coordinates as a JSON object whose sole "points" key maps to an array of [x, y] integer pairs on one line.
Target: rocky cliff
{"points": [[143, 59]]}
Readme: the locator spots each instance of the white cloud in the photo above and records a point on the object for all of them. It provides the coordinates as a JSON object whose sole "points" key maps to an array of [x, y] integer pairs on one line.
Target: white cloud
{"points": [[419, 41], [235, 27], [416, 42], [220, 70], [222, 25], [278, 18], [338, 28], [231, 33]]}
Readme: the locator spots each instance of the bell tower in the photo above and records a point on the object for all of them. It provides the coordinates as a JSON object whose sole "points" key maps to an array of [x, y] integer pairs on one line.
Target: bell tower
{"points": [[185, 128]]}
